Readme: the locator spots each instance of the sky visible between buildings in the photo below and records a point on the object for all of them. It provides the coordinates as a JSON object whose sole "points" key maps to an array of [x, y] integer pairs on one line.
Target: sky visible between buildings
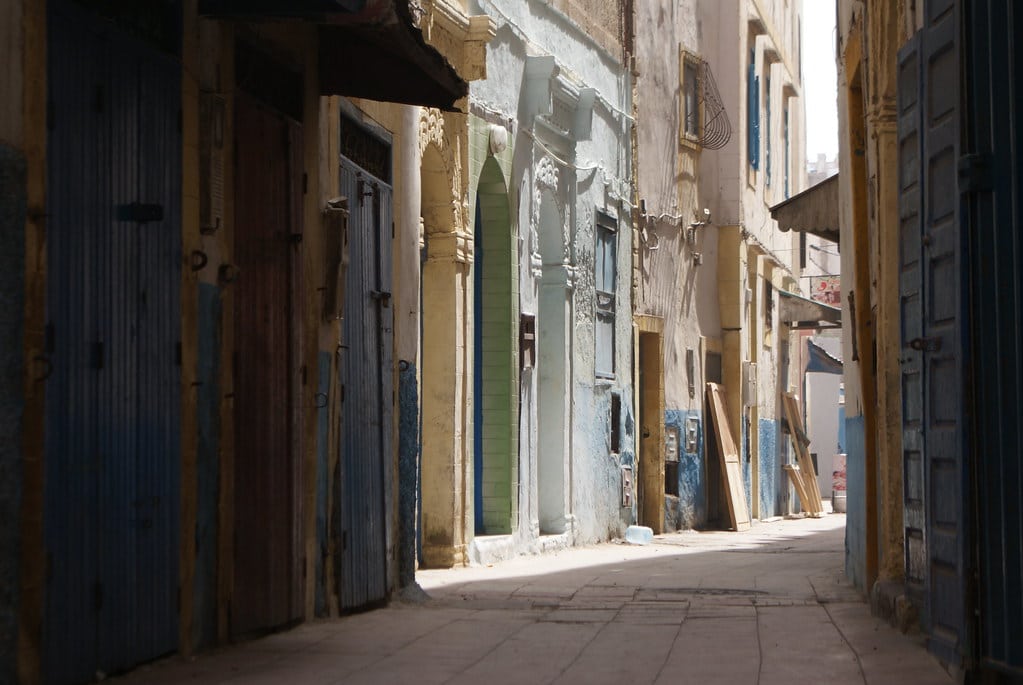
{"points": [[819, 79]]}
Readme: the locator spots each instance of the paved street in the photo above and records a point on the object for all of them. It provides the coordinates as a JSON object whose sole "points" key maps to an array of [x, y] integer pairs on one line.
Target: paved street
{"points": [[765, 606]]}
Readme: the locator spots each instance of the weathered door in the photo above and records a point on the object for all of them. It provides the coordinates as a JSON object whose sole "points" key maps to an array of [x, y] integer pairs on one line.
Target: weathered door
{"points": [[367, 390], [267, 463], [992, 193], [113, 319], [911, 315], [933, 345]]}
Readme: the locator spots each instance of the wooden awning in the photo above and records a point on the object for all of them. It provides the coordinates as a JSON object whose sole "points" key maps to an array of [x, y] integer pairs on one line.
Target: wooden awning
{"points": [[367, 48], [802, 313], [814, 210]]}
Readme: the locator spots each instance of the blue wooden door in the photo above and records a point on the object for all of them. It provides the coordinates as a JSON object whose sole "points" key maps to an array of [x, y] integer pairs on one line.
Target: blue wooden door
{"points": [[366, 369], [992, 193], [936, 477], [113, 398]]}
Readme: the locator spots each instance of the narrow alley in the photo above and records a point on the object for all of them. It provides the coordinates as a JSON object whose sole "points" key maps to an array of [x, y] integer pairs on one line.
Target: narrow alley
{"points": [[769, 605]]}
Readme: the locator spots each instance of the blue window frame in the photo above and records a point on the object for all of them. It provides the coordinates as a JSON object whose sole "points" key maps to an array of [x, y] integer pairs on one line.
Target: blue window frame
{"points": [[753, 113]]}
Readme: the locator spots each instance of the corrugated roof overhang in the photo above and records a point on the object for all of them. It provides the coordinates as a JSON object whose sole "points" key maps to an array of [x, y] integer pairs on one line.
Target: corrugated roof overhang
{"points": [[814, 210], [802, 313], [821, 361], [367, 48]]}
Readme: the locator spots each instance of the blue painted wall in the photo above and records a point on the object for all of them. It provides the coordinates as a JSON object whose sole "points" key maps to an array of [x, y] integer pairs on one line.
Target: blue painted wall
{"points": [[856, 503], [692, 474], [12, 308], [772, 500], [841, 429], [322, 476], [747, 462], [408, 471], [204, 598]]}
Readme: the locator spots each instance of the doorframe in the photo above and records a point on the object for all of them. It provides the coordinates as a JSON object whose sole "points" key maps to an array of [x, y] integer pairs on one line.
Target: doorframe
{"points": [[650, 436]]}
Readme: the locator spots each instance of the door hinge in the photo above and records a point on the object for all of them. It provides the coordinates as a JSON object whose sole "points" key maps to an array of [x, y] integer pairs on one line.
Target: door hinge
{"points": [[51, 116], [975, 173], [49, 341], [177, 353], [97, 355], [305, 183]]}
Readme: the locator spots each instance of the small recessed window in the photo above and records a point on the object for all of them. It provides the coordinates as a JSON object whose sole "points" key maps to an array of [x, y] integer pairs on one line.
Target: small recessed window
{"points": [[690, 99], [606, 279], [615, 419]]}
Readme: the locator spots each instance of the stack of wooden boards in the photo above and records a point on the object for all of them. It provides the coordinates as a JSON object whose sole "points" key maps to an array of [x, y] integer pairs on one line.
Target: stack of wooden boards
{"points": [[802, 474], [729, 454]]}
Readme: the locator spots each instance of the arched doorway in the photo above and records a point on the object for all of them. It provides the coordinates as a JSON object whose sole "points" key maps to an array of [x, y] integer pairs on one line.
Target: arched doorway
{"points": [[495, 391], [552, 370]]}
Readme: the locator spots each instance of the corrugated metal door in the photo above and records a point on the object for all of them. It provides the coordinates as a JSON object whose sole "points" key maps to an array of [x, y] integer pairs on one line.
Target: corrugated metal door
{"points": [[366, 382], [267, 471], [991, 183], [113, 399], [933, 333]]}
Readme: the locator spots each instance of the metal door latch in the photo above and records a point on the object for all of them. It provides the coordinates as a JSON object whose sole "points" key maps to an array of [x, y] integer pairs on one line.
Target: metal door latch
{"points": [[382, 296], [925, 344]]}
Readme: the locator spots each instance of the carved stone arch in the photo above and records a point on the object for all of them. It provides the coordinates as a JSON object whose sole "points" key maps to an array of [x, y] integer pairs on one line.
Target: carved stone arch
{"points": [[547, 179], [445, 208]]}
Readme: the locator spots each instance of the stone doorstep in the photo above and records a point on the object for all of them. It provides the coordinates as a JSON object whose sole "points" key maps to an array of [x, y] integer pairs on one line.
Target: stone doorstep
{"points": [[491, 549], [890, 601]]}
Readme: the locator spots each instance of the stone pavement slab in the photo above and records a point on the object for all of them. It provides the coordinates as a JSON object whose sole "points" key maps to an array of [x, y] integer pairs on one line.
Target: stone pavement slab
{"points": [[769, 605]]}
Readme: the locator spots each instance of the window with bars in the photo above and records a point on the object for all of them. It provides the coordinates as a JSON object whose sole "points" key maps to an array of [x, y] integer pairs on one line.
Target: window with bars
{"points": [[605, 279], [690, 98]]}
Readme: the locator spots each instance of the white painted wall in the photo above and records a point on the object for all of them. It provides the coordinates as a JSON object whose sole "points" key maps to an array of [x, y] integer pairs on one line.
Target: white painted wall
{"points": [[593, 175], [822, 402]]}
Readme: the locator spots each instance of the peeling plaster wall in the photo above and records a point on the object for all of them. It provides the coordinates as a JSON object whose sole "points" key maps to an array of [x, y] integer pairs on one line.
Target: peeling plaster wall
{"points": [[855, 530], [592, 476], [672, 284], [739, 199]]}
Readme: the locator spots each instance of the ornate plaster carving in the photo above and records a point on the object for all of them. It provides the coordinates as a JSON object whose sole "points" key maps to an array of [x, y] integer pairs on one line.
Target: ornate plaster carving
{"points": [[546, 177], [445, 208]]}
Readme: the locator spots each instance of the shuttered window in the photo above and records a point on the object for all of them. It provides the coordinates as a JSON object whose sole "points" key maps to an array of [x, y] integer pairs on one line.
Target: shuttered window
{"points": [[605, 278], [753, 114], [767, 137]]}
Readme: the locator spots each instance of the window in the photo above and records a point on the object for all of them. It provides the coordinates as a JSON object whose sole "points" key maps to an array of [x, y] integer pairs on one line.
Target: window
{"points": [[753, 112], [615, 420], [690, 99], [605, 278], [785, 122], [768, 304], [767, 131]]}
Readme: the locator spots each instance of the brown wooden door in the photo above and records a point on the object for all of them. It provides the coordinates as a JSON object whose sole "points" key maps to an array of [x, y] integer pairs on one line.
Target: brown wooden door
{"points": [[267, 578]]}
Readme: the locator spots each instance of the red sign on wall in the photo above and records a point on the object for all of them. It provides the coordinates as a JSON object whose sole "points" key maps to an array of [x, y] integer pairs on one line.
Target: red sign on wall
{"points": [[826, 289]]}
